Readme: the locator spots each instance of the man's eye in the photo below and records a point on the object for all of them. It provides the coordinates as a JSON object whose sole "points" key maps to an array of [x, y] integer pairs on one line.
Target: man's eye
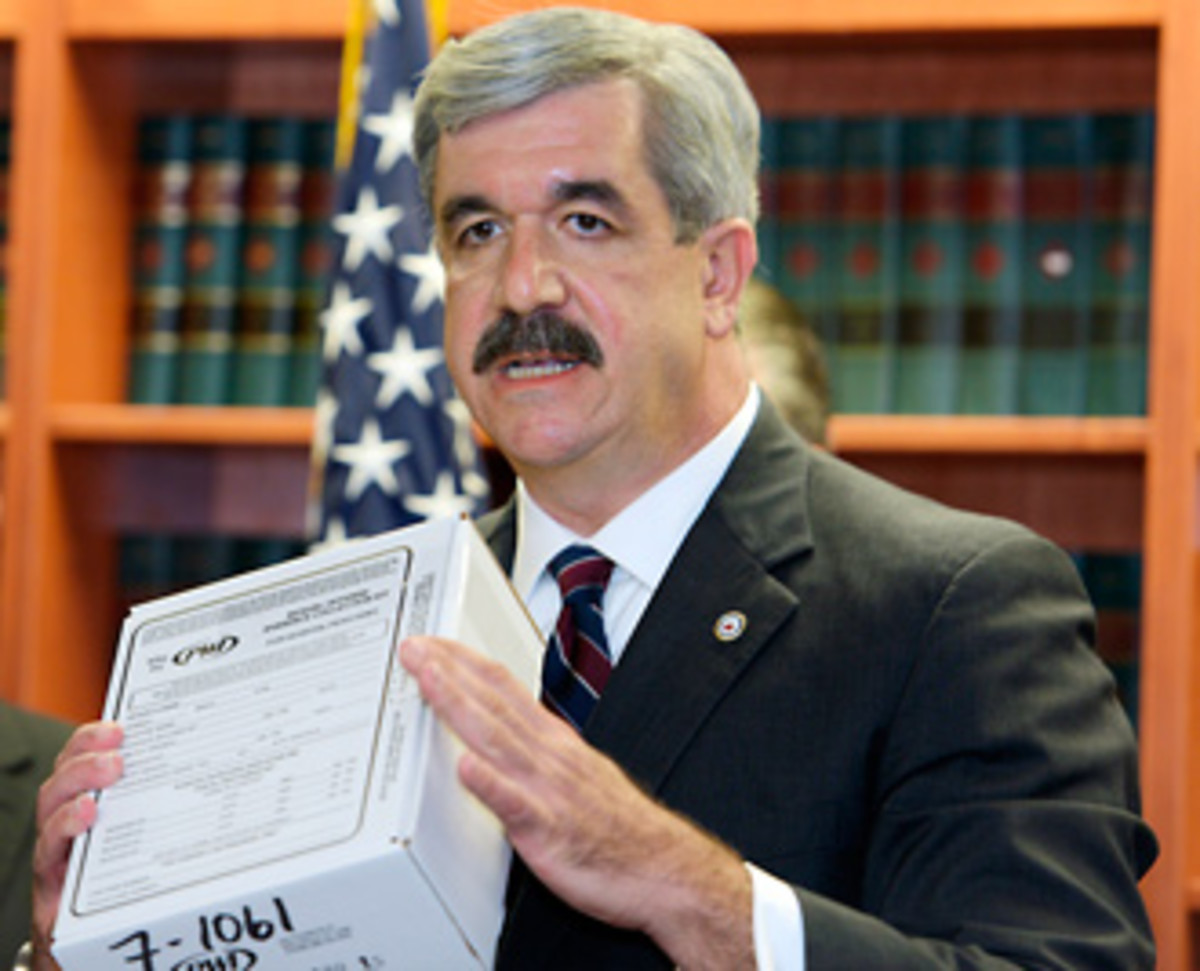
{"points": [[477, 232], [589, 223]]}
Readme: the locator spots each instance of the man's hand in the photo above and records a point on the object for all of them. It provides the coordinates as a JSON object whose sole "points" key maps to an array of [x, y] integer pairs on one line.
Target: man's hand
{"points": [[579, 822], [65, 809]]}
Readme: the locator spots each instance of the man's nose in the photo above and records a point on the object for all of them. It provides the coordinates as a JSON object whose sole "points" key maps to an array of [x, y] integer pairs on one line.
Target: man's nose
{"points": [[532, 273]]}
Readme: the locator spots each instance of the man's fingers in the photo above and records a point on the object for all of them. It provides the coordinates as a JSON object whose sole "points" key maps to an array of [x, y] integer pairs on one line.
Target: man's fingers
{"points": [[82, 772], [54, 841], [479, 699], [66, 808], [95, 736]]}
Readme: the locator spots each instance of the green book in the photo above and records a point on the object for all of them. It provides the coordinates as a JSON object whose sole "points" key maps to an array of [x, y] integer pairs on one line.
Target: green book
{"points": [[145, 566], [164, 179], [315, 253], [867, 257], [216, 215], [992, 302], [806, 274], [1117, 351], [1056, 265], [253, 553], [768, 199], [199, 558], [1114, 582], [929, 330], [159, 271], [262, 349]]}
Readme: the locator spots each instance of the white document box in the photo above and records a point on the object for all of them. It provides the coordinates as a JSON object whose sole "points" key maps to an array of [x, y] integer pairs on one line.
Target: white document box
{"points": [[289, 801]]}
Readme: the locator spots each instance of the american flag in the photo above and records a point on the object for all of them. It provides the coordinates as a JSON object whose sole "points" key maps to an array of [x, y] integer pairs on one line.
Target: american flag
{"points": [[393, 442]]}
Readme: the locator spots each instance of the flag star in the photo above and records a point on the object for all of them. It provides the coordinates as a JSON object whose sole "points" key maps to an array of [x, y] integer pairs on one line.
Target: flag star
{"points": [[404, 368], [340, 322], [475, 485], [388, 12], [463, 442], [334, 535], [431, 277], [445, 500], [394, 131], [366, 229], [372, 461], [325, 412]]}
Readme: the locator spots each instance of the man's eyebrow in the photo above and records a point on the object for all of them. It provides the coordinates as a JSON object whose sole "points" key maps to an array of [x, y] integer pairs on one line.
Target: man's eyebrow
{"points": [[591, 190], [454, 209]]}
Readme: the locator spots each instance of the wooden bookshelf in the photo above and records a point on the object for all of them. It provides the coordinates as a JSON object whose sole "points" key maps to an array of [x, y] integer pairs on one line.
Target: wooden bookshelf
{"points": [[835, 16], [80, 467], [1079, 481], [151, 424], [210, 20], [966, 436]]}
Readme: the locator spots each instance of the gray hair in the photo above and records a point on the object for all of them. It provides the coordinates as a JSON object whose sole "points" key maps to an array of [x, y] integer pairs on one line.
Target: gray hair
{"points": [[701, 122]]}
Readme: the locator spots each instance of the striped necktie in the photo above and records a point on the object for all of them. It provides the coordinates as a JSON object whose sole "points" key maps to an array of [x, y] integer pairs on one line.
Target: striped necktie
{"points": [[577, 663]]}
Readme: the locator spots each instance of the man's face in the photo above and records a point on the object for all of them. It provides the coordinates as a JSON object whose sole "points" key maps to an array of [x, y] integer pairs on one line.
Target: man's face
{"points": [[550, 224]]}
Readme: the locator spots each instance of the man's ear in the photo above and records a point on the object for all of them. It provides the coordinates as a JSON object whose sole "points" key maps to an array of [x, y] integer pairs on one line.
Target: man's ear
{"points": [[730, 253]]}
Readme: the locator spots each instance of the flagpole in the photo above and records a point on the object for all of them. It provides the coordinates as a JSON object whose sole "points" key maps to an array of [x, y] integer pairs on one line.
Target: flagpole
{"points": [[357, 28], [438, 12]]}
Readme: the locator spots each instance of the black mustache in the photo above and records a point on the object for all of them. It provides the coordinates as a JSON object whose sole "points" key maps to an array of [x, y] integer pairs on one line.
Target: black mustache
{"points": [[542, 332]]}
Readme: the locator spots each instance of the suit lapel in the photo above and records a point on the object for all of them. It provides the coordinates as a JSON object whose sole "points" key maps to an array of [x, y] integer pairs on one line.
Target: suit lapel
{"points": [[716, 609], [687, 652]]}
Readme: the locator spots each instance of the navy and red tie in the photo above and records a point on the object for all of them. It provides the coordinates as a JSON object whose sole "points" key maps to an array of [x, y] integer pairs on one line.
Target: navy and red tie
{"points": [[577, 663]]}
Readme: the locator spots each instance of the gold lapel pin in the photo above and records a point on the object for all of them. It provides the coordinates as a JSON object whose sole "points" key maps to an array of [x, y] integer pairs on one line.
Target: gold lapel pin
{"points": [[730, 626]]}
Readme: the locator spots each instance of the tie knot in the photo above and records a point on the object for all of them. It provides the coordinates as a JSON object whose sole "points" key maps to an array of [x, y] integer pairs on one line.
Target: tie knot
{"points": [[581, 572]]}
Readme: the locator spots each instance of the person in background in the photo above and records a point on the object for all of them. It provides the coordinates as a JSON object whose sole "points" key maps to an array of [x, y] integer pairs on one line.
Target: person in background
{"points": [[826, 724], [786, 358], [29, 743]]}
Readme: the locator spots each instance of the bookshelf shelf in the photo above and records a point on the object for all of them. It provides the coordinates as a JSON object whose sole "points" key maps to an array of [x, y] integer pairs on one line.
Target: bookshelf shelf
{"points": [[205, 19], [142, 424], [10, 19], [833, 16], [989, 436]]}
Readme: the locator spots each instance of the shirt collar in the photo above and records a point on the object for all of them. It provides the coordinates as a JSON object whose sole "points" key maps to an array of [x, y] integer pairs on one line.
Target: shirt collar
{"points": [[643, 537]]}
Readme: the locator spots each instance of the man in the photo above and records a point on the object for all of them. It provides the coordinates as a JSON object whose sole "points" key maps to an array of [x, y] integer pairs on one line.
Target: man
{"points": [[845, 727], [28, 744]]}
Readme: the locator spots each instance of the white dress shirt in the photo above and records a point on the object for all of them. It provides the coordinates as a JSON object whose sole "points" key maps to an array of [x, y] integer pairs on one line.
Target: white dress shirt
{"points": [[642, 540]]}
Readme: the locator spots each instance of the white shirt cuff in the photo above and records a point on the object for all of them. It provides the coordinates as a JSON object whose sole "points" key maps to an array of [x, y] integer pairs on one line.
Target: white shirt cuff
{"points": [[778, 924]]}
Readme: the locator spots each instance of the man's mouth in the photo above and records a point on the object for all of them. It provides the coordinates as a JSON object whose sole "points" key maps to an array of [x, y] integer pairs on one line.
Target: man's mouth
{"points": [[543, 344], [525, 370]]}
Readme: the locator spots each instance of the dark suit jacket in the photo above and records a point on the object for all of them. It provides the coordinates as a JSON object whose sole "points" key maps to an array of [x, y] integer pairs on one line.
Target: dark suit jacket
{"points": [[913, 731], [28, 746]]}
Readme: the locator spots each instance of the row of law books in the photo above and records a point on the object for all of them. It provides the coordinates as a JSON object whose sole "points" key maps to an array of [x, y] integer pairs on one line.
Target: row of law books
{"points": [[231, 252], [156, 564], [1114, 582], [967, 264]]}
